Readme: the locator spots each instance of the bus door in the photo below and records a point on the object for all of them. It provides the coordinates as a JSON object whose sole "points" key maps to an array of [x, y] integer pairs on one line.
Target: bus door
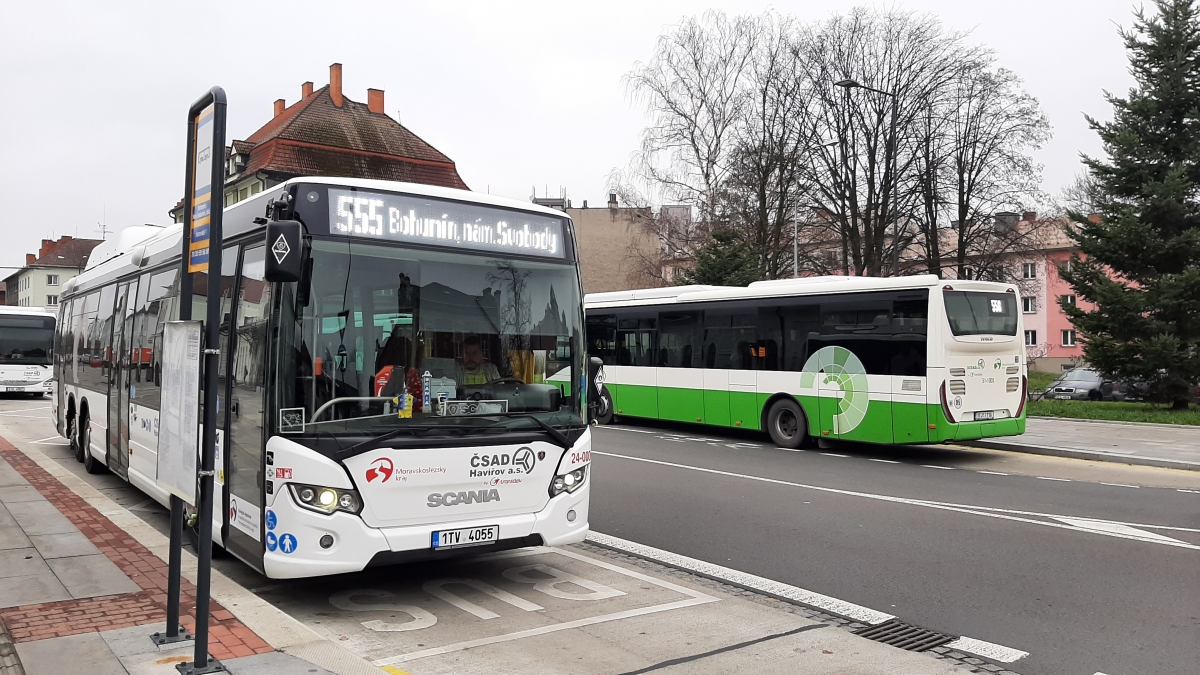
{"points": [[246, 526], [117, 454]]}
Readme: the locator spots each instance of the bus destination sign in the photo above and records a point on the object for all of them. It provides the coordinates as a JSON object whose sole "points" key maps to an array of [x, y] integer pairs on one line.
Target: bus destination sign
{"points": [[421, 220]]}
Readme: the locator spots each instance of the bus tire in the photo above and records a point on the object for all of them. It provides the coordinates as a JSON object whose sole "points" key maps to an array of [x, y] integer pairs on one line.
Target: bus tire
{"points": [[73, 435], [787, 424], [605, 414], [90, 463]]}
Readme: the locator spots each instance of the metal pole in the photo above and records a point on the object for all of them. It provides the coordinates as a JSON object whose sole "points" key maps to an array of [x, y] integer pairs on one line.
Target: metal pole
{"points": [[212, 342], [795, 251], [895, 193]]}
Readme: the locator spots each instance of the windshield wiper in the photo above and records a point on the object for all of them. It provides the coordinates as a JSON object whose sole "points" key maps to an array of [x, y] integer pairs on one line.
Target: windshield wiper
{"points": [[372, 443], [559, 437]]}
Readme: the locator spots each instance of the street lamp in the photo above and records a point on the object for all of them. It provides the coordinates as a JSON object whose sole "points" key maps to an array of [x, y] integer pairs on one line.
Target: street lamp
{"points": [[851, 84]]}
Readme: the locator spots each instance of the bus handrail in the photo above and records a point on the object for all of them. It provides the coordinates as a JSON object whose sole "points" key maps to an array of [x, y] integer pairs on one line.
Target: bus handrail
{"points": [[345, 399]]}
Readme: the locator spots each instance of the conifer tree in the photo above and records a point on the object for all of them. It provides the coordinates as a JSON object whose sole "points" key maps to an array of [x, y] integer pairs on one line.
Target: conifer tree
{"points": [[724, 261], [1140, 261]]}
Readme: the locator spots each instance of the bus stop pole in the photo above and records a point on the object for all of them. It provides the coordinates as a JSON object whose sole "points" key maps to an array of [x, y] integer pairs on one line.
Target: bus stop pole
{"points": [[211, 353]]}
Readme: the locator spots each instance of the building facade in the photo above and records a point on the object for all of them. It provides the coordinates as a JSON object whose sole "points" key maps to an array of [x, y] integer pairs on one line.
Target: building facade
{"points": [[616, 248], [38, 283]]}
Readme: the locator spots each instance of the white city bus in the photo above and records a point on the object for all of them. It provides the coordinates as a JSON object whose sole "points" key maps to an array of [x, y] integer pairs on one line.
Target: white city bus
{"points": [[418, 390], [898, 360], [26, 343]]}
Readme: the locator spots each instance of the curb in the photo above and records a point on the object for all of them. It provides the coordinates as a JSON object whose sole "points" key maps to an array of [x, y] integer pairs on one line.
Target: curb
{"points": [[1116, 422], [10, 661], [1085, 454]]}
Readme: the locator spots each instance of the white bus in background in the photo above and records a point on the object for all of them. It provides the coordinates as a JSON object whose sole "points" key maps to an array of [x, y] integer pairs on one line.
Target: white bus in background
{"points": [[26, 345], [416, 392], [894, 360]]}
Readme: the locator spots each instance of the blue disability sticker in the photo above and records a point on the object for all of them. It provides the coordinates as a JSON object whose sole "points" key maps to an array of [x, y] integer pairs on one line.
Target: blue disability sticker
{"points": [[272, 543], [287, 543], [271, 522]]}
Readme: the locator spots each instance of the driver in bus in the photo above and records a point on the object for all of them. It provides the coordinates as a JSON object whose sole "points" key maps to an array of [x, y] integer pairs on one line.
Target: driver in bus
{"points": [[474, 369]]}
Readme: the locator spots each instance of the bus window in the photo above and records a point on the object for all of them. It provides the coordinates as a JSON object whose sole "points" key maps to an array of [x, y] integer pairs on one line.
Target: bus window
{"points": [[156, 302], [974, 313], [680, 339], [602, 338], [26, 340], [728, 337]]}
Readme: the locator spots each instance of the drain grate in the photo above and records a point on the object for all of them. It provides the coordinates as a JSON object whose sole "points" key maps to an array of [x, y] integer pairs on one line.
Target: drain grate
{"points": [[905, 636]]}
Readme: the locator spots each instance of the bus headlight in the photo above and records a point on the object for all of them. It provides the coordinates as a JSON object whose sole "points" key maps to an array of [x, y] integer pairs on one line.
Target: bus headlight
{"points": [[325, 499], [568, 482]]}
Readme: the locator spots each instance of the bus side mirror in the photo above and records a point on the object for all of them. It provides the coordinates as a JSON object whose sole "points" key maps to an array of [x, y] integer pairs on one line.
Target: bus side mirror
{"points": [[285, 250]]}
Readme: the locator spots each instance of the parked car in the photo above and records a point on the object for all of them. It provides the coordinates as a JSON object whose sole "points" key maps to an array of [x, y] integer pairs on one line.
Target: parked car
{"points": [[1084, 384]]}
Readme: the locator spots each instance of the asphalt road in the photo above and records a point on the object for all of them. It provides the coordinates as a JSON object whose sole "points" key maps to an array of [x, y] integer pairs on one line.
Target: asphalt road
{"points": [[988, 560], [958, 540]]}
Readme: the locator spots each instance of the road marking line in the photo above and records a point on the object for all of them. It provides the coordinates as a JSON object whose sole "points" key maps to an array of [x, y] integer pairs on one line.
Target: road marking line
{"points": [[636, 431], [989, 650], [833, 454], [1061, 480], [743, 579], [9, 412], [935, 466], [885, 461], [694, 598], [1115, 527], [1194, 492], [1122, 485], [994, 473], [988, 511]]}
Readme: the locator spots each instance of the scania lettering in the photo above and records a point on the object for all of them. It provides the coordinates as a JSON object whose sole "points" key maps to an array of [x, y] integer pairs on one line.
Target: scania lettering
{"points": [[421, 376], [471, 497], [899, 360]]}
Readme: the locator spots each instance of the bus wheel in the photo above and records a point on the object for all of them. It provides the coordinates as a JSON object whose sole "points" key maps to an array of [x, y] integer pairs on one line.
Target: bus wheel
{"points": [[787, 425], [605, 414], [73, 436], [90, 463]]}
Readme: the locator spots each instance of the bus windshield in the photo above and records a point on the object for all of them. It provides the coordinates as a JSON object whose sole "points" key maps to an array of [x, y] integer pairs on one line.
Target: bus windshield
{"points": [[975, 313], [26, 340], [385, 336]]}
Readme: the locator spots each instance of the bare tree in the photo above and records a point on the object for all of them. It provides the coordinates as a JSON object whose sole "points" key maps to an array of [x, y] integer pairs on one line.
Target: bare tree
{"points": [[693, 89]]}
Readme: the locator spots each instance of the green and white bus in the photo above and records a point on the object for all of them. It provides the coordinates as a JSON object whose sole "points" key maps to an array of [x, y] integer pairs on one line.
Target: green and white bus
{"points": [[881, 360]]}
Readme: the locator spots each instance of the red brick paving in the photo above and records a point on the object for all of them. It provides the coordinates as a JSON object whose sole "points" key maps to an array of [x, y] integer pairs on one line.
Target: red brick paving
{"points": [[228, 637]]}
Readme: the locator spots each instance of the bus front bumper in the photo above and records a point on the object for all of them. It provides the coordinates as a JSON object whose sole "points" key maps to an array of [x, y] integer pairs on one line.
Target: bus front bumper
{"points": [[356, 546]]}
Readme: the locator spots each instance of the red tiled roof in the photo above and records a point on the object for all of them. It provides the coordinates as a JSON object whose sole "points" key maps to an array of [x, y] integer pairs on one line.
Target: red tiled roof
{"points": [[73, 253], [315, 137]]}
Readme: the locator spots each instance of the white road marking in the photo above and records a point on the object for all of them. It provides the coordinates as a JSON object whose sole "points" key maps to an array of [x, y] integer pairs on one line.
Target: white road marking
{"points": [[833, 454], [987, 511], [989, 650], [9, 412], [885, 461], [934, 466], [1118, 528], [1195, 492], [636, 431], [994, 473], [693, 598], [1121, 485], [1061, 480], [751, 581]]}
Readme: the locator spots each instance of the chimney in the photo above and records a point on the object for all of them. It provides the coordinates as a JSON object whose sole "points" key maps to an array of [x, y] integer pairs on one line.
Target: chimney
{"points": [[280, 104], [64, 239], [612, 200], [1029, 216], [305, 89], [335, 84], [585, 203], [30, 258], [375, 101], [48, 245]]}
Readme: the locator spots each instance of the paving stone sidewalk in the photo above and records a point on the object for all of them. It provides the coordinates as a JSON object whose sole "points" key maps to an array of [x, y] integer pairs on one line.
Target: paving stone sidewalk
{"points": [[1145, 444], [78, 594]]}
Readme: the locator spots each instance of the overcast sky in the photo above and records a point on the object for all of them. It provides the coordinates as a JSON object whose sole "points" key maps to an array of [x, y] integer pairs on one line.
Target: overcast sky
{"points": [[95, 94]]}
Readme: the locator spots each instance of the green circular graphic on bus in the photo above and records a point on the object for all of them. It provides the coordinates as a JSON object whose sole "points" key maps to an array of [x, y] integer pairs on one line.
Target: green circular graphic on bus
{"points": [[841, 367]]}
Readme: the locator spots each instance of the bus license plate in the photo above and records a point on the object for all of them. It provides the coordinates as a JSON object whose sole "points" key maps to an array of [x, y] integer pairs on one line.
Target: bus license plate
{"points": [[985, 415], [14, 389], [471, 536]]}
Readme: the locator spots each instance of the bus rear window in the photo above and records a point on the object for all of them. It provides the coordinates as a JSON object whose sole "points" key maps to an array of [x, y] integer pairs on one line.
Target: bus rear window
{"points": [[972, 313]]}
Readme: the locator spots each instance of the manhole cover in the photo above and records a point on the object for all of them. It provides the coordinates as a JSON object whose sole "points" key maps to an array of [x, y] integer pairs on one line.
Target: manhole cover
{"points": [[905, 636]]}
